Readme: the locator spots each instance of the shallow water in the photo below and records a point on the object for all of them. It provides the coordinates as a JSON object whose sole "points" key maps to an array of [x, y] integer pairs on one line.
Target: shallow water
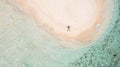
{"points": [[23, 44]]}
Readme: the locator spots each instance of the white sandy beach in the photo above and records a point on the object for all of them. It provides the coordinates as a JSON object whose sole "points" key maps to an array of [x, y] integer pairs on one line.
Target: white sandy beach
{"points": [[83, 16], [30, 33]]}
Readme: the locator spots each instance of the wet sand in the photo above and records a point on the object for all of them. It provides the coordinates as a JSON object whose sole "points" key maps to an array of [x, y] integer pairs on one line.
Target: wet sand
{"points": [[82, 16]]}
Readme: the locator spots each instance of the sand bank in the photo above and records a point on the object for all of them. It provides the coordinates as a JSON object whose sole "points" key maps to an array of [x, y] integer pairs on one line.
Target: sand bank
{"points": [[83, 17]]}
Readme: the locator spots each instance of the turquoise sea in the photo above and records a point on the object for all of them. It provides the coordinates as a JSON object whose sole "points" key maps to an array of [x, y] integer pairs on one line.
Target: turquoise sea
{"points": [[23, 44]]}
